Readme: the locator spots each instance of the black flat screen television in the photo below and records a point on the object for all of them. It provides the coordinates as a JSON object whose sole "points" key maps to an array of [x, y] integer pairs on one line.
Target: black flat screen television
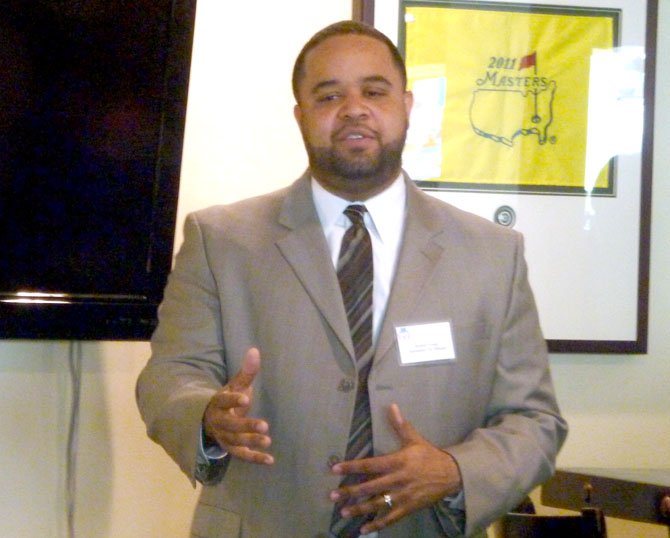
{"points": [[92, 111]]}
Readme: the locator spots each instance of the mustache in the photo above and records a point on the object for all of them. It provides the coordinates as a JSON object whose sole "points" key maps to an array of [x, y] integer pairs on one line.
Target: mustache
{"points": [[354, 127]]}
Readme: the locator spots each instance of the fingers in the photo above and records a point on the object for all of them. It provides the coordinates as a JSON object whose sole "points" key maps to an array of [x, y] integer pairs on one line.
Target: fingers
{"points": [[243, 379], [240, 436], [365, 497], [385, 511], [373, 505], [382, 465], [396, 484], [251, 456], [404, 429], [232, 417], [395, 417], [225, 417], [379, 480]]}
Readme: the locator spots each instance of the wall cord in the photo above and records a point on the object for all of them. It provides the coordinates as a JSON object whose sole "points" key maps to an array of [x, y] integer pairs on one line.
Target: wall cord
{"points": [[74, 361]]}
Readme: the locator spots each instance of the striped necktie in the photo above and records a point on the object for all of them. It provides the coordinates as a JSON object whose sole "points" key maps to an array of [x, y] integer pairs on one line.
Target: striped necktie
{"points": [[354, 272]]}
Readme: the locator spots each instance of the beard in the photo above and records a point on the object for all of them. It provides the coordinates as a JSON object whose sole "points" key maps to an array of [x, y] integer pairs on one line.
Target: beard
{"points": [[357, 171]]}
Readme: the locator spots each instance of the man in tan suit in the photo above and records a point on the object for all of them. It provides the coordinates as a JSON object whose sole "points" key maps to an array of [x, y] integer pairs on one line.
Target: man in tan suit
{"points": [[253, 378]]}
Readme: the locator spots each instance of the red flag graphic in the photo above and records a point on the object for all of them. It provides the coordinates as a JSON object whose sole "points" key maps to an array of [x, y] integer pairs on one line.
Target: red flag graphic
{"points": [[528, 61]]}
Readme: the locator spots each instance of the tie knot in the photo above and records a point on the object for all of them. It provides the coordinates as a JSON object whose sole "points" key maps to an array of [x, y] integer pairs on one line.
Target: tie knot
{"points": [[356, 214]]}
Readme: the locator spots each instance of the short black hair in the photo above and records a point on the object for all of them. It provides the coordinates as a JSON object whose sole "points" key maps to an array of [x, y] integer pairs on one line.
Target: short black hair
{"points": [[345, 28]]}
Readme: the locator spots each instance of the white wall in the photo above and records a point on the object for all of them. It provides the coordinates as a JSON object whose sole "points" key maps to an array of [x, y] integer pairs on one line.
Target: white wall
{"points": [[618, 406], [241, 141]]}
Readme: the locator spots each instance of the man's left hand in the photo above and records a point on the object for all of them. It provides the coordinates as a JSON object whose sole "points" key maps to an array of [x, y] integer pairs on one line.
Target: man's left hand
{"points": [[416, 476]]}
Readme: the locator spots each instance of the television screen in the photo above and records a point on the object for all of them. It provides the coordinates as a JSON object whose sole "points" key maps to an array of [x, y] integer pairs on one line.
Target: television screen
{"points": [[92, 107]]}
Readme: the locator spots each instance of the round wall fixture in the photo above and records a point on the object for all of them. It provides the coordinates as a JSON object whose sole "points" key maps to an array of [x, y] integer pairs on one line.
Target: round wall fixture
{"points": [[505, 216]]}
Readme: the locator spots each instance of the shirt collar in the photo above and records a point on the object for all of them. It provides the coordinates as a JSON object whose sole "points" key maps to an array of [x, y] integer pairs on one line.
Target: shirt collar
{"points": [[386, 209]]}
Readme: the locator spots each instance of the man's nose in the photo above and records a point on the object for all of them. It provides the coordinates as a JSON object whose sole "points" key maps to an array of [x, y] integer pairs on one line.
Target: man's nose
{"points": [[354, 107]]}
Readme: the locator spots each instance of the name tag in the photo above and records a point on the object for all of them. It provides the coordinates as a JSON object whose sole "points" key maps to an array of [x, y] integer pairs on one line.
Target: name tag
{"points": [[428, 342]]}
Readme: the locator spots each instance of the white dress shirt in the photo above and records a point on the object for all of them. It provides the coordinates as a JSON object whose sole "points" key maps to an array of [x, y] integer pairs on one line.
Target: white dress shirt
{"points": [[384, 220]]}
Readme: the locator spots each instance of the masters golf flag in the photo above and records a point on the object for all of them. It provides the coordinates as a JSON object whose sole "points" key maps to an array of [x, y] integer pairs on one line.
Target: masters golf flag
{"points": [[502, 95]]}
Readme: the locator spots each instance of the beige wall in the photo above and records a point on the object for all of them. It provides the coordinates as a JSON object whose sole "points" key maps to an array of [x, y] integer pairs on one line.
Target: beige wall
{"points": [[241, 141]]}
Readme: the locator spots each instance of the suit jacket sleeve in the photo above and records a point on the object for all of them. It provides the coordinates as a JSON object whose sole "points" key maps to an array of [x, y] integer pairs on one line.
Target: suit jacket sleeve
{"points": [[516, 449], [186, 367]]}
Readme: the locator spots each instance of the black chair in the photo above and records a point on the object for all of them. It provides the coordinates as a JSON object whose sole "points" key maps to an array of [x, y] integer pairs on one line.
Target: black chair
{"points": [[589, 524]]}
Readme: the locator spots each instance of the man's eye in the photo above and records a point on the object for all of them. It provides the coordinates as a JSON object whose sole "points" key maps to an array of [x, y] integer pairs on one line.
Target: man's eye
{"points": [[375, 92], [327, 97]]}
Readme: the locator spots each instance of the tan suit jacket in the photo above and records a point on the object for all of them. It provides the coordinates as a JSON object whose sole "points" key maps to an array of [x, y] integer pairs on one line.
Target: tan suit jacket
{"points": [[258, 273]]}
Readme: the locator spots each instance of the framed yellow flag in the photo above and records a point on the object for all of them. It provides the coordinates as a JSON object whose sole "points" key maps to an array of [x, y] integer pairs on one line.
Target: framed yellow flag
{"points": [[502, 95], [539, 116]]}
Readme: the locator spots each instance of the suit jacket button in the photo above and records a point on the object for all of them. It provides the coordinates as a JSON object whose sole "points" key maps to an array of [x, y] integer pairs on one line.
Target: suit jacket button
{"points": [[333, 459], [346, 385]]}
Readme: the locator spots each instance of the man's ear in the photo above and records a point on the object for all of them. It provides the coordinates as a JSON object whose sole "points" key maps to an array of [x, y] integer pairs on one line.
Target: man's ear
{"points": [[409, 101], [297, 113]]}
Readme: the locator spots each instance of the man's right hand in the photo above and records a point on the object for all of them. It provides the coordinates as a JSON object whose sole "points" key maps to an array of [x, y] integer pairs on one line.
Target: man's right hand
{"points": [[225, 419]]}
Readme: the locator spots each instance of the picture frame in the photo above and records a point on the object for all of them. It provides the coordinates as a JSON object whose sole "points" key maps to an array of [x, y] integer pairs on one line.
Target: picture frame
{"points": [[582, 199]]}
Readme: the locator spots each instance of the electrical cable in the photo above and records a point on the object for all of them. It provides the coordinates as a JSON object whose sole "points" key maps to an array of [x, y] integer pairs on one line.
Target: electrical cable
{"points": [[74, 361]]}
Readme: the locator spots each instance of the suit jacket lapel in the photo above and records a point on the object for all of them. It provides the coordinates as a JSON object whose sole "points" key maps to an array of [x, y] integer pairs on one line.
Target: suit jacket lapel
{"points": [[418, 257], [305, 250]]}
